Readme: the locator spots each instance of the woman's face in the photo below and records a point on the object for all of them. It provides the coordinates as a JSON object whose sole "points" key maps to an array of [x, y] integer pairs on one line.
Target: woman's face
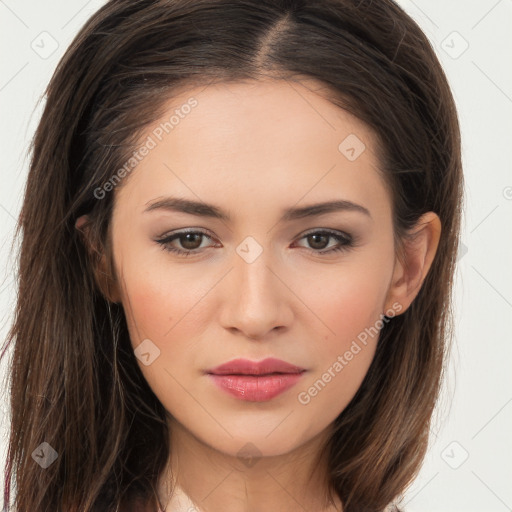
{"points": [[264, 277]]}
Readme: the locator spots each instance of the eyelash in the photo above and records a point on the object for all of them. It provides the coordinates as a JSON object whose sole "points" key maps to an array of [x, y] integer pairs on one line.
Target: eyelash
{"points": [[347, 242]]}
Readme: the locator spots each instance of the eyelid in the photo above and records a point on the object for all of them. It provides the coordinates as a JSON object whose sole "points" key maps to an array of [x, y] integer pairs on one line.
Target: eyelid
{"points": [[184, 231], [326, 230]]}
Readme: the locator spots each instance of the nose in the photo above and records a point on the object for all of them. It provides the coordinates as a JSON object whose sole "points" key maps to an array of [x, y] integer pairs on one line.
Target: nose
{"points": [[256, 298]]}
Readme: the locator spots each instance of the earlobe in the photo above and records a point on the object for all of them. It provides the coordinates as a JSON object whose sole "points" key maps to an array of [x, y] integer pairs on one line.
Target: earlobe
{"points": [[80, 222], [102, 270], [105, 280], [82, 226], [413, 265]]}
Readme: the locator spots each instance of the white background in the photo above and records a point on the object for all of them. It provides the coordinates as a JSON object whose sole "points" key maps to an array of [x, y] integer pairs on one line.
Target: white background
{"points": [[469, 464]]}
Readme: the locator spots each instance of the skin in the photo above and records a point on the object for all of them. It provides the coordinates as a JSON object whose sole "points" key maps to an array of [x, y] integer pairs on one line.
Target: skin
{"points": [[254, 149]]}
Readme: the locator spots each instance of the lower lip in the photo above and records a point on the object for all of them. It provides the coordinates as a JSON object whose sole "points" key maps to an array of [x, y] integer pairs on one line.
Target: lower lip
{"points": [[256, 388]]}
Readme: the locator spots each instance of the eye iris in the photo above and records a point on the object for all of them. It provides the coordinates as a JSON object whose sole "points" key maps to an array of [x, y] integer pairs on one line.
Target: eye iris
{"points": [[315, 237], [189, 238]]}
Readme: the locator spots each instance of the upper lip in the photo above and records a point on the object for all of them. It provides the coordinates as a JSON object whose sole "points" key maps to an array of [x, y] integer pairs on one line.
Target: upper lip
{"points": [[247, 367]]}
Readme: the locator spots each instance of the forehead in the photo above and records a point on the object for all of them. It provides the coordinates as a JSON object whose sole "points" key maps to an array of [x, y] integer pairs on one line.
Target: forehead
{"points": [[278, 112], [271, 138]]}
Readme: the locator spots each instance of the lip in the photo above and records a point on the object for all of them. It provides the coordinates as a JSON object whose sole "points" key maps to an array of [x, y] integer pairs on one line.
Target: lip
{"points": [[256, 381], [247, 367], [254, 388]]}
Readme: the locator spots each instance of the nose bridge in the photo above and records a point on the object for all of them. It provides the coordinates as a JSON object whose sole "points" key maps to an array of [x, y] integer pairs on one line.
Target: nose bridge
{"points": [[252, 270], [255, 277], [256, 300]]}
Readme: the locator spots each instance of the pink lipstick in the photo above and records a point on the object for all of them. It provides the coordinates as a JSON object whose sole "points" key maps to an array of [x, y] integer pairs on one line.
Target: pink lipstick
{"points": [[256, 381]]}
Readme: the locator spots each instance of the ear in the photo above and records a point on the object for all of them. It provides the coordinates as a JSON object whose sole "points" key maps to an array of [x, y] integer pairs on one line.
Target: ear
{"points": [[414, 261], [102, 268]]}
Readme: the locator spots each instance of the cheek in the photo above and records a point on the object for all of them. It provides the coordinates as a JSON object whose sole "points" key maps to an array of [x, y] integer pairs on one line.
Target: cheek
{"points": [[170, 310], [166, 311], [159, 304], [348, 304], [350, 310]]}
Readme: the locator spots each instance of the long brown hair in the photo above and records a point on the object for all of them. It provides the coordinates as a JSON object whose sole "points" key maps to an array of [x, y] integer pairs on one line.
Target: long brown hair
{"points": [[74, 380]]}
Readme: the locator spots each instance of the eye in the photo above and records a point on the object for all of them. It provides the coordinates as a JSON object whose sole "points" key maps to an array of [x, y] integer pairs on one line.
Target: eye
{"points": [[319, 240], [191, 241]]}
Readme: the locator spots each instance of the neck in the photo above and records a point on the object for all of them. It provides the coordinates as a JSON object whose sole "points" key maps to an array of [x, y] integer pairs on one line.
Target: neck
{"points": [[205, 479]]}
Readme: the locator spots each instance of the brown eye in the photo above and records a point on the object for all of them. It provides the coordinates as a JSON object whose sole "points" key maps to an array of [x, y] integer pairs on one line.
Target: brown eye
{"points": [[189, 241], [318, 241], [185, 242]]}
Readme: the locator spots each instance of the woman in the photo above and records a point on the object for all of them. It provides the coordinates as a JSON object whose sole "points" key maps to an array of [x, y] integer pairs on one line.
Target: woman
{"points": [[239, 236]]}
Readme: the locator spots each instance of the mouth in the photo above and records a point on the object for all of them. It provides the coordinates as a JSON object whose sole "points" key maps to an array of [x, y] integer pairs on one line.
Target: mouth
{"points": [[256, 381], [256, 388], [254, 374], [268, 366]]}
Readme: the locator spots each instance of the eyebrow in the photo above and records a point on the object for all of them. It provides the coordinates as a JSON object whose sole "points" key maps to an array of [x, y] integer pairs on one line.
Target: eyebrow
{"points": [[201, 209]]}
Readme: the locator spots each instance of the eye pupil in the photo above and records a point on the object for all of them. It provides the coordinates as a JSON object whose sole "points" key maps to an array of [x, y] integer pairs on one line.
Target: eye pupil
{"points": [[316, 236], [188, 240]]}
